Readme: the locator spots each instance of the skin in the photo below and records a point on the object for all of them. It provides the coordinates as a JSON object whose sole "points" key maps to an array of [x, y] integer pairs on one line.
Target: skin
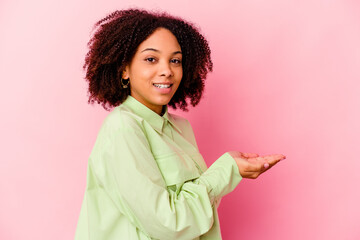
{"points": [[251, 165], [158, 60]]}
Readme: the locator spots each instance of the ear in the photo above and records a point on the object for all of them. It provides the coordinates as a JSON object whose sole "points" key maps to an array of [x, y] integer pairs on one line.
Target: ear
{"points": [[125, 73]]}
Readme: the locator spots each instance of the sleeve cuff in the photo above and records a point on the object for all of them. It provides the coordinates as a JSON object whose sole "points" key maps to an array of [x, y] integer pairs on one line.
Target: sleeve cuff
{"points": [[221, 177]]}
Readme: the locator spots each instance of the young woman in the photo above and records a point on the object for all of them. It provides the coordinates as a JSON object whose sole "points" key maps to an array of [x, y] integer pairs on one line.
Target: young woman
{"points": [[146, 178]]}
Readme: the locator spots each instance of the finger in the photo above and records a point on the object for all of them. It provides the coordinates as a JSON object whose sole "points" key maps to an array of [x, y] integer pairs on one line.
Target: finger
{"points": [[271, 159], [265, 167], [255, 167], [277, 156], [266, 163], [249, 155]]}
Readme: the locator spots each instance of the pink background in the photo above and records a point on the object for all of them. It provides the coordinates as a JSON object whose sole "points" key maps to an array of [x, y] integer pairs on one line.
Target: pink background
{"points": [[286, 80]]}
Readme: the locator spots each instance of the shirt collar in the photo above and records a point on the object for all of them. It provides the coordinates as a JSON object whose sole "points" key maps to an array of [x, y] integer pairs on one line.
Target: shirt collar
{"points": [[154, 119]]}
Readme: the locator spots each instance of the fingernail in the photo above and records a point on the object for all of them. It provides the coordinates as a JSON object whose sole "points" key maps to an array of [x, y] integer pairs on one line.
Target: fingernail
{"points": [[266, 165]]}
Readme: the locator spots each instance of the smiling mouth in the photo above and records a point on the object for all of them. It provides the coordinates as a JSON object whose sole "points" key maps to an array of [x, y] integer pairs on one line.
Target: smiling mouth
{"points": [[162, 85]]}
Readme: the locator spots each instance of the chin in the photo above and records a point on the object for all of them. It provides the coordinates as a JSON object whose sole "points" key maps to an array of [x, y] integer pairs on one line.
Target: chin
{"points": [[163, 100]]}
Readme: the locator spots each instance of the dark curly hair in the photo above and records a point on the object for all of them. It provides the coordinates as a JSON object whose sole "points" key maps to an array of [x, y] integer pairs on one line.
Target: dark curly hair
{"points": [[115, 42]]}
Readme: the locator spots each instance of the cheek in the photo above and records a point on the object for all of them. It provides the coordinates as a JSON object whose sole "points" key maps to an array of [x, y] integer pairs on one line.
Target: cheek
{"points": [[145, 73], [179, 73], [141, 71]]}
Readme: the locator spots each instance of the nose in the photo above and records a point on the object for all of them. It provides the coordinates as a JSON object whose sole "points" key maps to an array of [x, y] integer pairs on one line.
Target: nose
{"points": [[165, 70]]}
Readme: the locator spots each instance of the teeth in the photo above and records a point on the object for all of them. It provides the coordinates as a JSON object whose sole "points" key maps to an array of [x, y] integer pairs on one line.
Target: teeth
{"points": [[162, 85]]}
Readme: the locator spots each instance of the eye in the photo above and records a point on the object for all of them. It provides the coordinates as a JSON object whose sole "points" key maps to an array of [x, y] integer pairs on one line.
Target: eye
{"points": [[176, 61], [150, 59]]}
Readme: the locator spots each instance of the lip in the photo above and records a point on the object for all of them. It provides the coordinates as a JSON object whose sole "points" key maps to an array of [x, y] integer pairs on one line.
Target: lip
{"points": [[164, 90], [166, 83]]}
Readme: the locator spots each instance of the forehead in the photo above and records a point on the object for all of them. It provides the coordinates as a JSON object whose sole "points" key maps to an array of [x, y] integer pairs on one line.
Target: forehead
{"points": [[161, 39]]}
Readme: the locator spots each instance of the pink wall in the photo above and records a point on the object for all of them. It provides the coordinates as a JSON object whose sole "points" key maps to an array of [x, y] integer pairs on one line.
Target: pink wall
{"points": [[286, 80]]}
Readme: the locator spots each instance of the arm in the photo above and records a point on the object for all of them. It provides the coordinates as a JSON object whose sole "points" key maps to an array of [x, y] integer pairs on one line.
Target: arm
{"points": [[125, 168]]}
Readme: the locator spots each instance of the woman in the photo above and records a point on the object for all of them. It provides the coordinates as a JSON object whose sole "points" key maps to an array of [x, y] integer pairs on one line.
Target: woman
{"points": [[146, 178]]}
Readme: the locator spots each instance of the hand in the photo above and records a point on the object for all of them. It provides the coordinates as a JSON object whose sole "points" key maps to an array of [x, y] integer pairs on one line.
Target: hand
{"points": [[251, 165]]}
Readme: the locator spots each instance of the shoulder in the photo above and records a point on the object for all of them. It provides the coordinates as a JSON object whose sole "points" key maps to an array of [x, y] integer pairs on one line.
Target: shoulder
{"points": [[121, 119], [184, 125], [120, 123], [186, 129], [180, 121], [178, 118]]}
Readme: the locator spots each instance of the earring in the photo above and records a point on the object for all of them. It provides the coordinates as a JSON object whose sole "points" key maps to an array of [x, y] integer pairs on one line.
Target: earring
{"points": [[125, 85]]}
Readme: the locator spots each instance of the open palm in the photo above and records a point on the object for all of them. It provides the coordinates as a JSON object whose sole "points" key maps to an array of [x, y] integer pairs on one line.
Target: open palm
{"points": [[251, 165]]}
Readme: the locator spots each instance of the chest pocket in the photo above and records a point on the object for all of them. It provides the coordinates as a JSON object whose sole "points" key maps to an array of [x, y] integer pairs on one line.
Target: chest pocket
{"points": [[177, 168]]}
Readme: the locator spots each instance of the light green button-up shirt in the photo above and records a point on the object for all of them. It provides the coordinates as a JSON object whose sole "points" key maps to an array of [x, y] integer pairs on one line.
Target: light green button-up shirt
{"points": [[147, 180]]}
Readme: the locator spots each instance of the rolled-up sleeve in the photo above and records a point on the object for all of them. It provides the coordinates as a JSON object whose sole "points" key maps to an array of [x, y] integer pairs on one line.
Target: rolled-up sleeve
{"points": [[221, 177], [124, 167]]}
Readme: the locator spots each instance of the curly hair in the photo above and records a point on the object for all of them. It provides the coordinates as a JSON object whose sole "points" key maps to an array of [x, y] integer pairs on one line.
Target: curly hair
{"points": [[115, 42]]}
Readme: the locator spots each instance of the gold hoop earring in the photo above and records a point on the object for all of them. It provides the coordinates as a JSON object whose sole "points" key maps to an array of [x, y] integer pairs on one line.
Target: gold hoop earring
{"points": [[125, 85]]}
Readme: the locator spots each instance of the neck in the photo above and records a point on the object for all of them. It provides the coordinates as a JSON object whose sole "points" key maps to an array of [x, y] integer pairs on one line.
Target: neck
{"points": [[163, 110]]}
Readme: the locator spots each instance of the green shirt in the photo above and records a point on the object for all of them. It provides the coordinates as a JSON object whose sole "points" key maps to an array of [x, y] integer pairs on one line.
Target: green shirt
{"points": [[147, 180]]}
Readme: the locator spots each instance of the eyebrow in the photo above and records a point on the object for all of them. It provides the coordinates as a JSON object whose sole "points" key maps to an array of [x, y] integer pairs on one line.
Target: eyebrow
{"points": [[156, 50]]}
